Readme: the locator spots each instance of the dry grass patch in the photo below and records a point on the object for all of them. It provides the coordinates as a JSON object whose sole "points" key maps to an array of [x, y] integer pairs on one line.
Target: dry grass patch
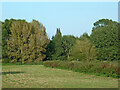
{"points": [[38, 76]]}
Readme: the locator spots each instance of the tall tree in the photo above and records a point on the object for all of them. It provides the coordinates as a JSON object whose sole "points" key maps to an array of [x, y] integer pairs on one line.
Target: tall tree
{"points": [[106, 40], [58, 49], [67, 43], [27, 41], [50, 50], [5, 35]]}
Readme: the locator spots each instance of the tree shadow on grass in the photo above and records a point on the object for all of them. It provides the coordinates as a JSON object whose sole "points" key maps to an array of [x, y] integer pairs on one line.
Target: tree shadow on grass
{"points": [[11, 72]]}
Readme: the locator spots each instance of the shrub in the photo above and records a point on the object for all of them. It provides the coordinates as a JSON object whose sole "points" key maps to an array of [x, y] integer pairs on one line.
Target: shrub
{"points": [[109, 69]]}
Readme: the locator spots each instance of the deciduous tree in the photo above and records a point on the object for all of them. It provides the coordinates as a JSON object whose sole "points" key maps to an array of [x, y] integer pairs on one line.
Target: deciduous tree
{"points": [[84, 50], [27, 42], [106, 40]]}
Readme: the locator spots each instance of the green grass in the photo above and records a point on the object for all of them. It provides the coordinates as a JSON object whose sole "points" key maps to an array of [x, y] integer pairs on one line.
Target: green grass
{"points": [[39, 76]]}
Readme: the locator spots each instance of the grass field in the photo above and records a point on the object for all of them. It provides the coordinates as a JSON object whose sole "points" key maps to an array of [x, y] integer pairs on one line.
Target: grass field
{"points": [[39, 76]]}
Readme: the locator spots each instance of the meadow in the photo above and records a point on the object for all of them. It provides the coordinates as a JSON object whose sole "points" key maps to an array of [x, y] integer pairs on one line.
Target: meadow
{"points": [[39, 76], [63, 49]]}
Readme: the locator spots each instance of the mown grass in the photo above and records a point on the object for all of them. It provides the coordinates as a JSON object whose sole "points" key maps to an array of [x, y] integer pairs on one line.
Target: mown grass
{"points": [[39, 76]]}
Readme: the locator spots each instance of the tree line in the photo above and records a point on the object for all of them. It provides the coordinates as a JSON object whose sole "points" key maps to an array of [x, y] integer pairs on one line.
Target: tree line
{"points": [[28, 42]]}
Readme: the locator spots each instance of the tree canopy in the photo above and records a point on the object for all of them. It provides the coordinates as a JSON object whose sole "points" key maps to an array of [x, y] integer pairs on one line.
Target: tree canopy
{"points": [[84, 50], [27, 41], [106, 40]]}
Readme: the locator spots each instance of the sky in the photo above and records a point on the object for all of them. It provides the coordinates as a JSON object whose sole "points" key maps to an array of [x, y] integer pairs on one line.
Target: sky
{"points": [[73, 18]]}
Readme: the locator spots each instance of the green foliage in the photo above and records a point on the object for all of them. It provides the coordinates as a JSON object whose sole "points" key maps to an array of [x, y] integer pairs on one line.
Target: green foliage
{"points": [[60, 46], [84, 50], [106, 41], [5, 35], [67, 44], [57, 49], [50, 51], [84, 36], [103, 22], [27, 42], [109, 69]]}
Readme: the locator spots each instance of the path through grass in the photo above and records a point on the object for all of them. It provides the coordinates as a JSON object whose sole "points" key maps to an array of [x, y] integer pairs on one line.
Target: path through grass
{"points": [[39, 76]]}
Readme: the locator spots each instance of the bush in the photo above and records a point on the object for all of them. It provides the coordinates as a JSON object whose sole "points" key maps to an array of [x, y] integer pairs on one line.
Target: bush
{"points": [[109, 69]]}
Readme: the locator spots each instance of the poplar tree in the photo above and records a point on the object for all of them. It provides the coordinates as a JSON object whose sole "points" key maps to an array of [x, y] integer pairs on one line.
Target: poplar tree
{"points": [[27, 41]]}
